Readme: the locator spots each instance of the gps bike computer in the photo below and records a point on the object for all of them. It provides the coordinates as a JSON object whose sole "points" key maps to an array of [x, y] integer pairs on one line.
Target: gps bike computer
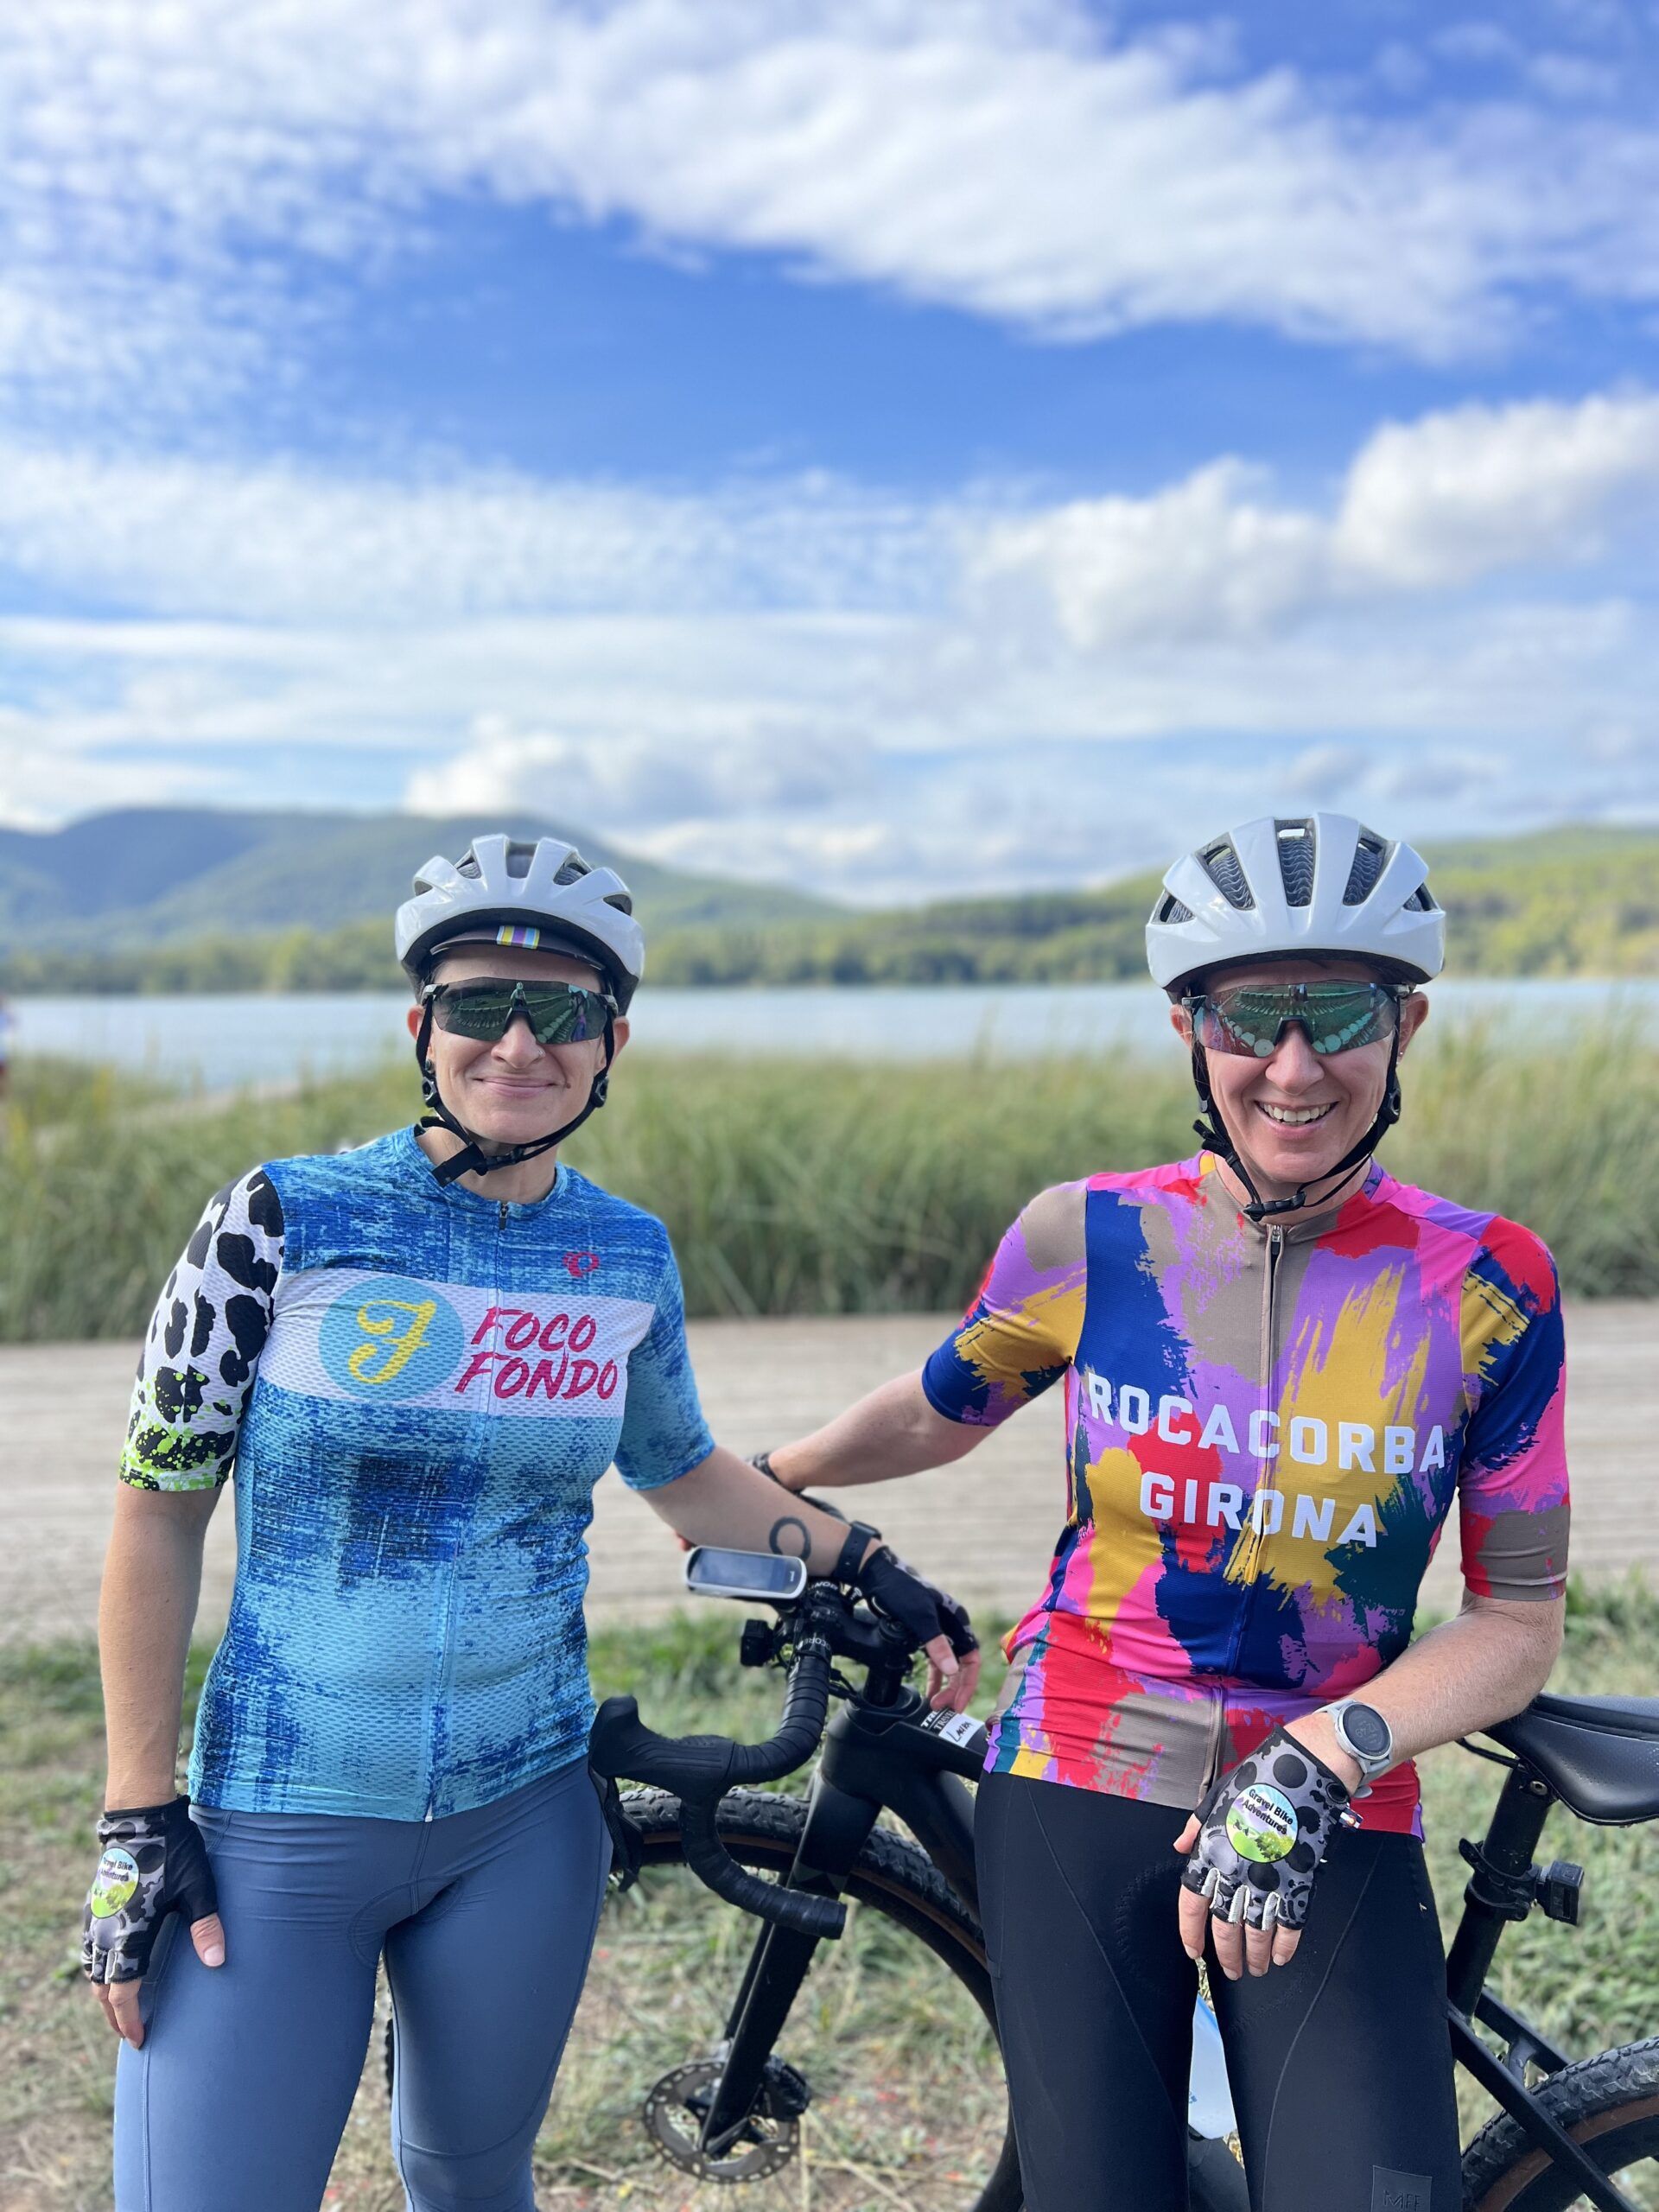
{"points": [[715, 1573]]}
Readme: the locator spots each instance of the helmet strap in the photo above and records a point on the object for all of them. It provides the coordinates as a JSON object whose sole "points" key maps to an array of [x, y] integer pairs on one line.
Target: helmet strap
{"points": [[1211, 1132], [472, 1159]]}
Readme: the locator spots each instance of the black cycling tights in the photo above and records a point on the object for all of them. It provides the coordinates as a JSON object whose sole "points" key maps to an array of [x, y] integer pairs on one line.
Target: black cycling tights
{"points": [[1340, 2063]]}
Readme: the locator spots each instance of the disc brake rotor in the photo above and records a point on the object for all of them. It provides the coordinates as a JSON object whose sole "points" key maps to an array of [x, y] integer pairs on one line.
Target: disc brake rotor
{"points": [[674, 2114]]}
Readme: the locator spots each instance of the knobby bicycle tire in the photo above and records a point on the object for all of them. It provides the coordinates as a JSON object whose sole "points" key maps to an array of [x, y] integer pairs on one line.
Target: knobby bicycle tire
{"points": [[891, 1878], [1609, 2103]]}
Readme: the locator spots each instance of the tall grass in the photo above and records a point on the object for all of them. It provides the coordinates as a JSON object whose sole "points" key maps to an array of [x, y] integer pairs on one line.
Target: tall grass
{"points": [[1567, 1142], [808, 1186]]}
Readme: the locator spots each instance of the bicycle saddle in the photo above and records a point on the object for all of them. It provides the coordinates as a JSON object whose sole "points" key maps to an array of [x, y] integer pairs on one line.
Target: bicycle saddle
{"points": [[1599, 1755]]}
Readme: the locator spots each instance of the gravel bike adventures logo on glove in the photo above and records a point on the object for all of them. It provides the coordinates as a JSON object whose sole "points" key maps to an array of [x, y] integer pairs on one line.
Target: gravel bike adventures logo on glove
{"points": [[391, 1337], [1262, 1824], [114, 1885]]}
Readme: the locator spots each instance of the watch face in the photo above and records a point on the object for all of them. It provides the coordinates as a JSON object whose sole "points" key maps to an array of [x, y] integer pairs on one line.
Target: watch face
{"points": [[1367, 1731]]}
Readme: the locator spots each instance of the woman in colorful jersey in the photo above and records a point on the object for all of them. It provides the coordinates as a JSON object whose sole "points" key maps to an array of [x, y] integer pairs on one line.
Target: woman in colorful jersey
{"points": [[1281, 1366], [419, 1356]]}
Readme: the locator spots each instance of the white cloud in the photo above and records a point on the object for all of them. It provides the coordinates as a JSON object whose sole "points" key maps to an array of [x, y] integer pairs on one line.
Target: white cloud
{"points": [[1439, 503], [166, 165], [1042, 692], [277, 542], [722, 759], [1460, 495], [1205, 557], [1430, 505]]}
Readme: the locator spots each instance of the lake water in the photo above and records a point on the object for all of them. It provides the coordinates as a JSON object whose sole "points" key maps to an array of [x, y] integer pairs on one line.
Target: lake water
{"points": [[224, 1042]]}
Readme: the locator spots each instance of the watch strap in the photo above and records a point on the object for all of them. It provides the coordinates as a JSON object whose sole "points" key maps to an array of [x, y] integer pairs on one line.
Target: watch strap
{"points": [[859, 1536]]}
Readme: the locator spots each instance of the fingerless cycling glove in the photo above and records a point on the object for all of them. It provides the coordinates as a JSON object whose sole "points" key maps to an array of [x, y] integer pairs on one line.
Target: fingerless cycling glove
{"points": [[1264, 1827], [154, 1862], [893, 1586]]}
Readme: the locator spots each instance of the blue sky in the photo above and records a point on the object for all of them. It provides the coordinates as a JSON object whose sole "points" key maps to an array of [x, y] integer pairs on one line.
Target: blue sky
{"points": [[903, 446]]}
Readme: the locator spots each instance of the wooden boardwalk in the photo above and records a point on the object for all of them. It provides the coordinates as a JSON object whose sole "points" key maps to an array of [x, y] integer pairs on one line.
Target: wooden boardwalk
{"points": [[984, 1528]]}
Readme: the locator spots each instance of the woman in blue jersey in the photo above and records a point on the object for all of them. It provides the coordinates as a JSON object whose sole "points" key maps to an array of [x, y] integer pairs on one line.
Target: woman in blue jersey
{"points": [[418, 1358]]}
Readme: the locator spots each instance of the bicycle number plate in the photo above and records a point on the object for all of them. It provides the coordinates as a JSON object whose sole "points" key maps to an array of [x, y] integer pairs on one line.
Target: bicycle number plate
{"points": [[954, 1727]]}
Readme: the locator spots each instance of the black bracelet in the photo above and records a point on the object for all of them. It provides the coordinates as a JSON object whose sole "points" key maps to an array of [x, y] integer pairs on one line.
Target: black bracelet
{"points": [[763, 1460]]}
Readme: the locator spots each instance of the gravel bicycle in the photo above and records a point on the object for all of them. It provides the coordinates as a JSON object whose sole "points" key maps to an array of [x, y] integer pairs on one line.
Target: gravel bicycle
{"points": [[836, 2038]]}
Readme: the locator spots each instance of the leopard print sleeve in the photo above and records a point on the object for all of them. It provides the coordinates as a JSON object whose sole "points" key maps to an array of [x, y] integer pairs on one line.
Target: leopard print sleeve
{"points": [[205, 1339]]}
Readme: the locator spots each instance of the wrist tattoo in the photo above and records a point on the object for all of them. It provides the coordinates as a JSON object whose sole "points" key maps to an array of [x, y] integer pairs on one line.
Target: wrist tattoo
{"points": [[783, 1531]]}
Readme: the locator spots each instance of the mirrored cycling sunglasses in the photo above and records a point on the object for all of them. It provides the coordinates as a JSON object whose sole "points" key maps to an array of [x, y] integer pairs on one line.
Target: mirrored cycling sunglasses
{"points": [[1247, 1019], [558, 1014]]}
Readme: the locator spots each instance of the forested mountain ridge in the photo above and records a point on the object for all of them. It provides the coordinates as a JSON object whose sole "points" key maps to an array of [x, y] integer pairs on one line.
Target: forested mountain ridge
{"points": [[158, 875], [1576, 901], [1582, 900]]}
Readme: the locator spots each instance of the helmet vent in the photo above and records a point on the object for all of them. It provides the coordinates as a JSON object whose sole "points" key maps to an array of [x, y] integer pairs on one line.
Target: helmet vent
{"points": [[1369, 855], [1226, 872], [1297, 851], [1421, 901], [1171, 910], [573, 869], [621, 900]]}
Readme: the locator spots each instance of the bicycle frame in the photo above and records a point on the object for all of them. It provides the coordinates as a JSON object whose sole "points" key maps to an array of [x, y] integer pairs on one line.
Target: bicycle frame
{"points": [[878, 1755], [1501, 1891]]}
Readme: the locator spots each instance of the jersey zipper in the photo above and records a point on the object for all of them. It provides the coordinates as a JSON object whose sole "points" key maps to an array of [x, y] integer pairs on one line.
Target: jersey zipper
{"points": [[1250, 1543], [1214, 1723]]}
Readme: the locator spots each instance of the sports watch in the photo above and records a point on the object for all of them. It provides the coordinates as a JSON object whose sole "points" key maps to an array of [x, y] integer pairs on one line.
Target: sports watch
{"points": [[1365, 1736]]}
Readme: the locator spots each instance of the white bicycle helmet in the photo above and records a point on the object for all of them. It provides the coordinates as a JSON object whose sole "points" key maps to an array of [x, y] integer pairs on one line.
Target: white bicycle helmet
{"points": [[1315, 883], [1318, 883], [503, 891]]}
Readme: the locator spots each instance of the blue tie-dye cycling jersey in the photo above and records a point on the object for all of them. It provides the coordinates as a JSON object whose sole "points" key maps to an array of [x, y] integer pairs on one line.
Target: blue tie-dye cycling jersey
{"points": [[418, 1387]]}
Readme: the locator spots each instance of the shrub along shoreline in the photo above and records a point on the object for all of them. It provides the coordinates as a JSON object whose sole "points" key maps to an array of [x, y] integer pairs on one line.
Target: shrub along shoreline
{"points": [[813, 1186]]}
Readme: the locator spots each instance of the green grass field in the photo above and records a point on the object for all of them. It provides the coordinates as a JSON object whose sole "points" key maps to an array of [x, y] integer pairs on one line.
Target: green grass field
{"points": [[813, 1186], [1589, 1987]]}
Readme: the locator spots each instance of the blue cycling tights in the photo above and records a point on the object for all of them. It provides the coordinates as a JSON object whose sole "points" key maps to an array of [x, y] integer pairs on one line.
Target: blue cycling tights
{"points": [[236, 2099]]}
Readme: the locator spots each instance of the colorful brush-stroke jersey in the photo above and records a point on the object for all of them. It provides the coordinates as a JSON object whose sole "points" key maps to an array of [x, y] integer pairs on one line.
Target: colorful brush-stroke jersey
{"points": [[1265, 1428], [418, 1387]]}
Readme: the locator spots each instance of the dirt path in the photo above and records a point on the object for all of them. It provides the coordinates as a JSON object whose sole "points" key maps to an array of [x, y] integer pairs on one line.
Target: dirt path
{"points": [[984, 1528]]}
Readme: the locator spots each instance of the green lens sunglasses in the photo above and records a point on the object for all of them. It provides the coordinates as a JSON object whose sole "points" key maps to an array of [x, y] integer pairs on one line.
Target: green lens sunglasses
{"points": [[558, 1014], [1247, 1019]]}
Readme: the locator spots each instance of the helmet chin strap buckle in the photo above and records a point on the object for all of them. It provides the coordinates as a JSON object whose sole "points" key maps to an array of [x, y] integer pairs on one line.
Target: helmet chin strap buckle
{"points": [[1259, 1208]]}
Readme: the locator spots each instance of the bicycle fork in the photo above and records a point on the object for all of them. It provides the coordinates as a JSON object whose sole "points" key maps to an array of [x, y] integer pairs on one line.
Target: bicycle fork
{"points": [[874, 1755], [837, 1827]]}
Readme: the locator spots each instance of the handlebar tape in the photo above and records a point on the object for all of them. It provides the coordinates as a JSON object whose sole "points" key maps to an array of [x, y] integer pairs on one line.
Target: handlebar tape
{"points": [[708, 1858], [806, 1703], [690, 1765], [701, 1769]]}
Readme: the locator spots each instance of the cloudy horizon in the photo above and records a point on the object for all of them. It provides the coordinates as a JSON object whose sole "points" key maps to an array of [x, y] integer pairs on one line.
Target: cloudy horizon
{"points": [[901, 450]]}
